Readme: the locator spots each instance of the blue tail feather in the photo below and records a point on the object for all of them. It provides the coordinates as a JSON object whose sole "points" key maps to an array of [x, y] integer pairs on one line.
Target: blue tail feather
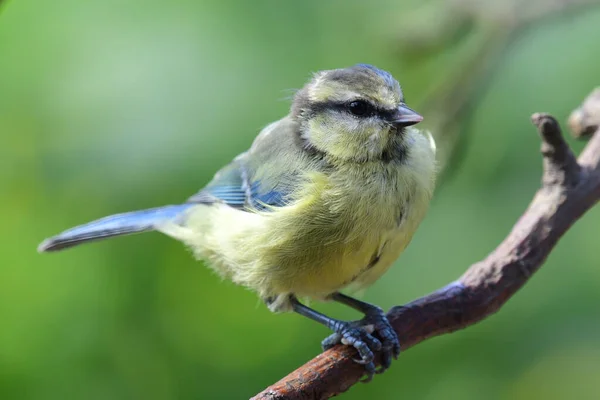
{"points": [[114, 225]]}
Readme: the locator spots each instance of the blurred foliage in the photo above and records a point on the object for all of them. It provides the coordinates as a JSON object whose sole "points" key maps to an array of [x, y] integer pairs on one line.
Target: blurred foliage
{"points": [[110, 106]]}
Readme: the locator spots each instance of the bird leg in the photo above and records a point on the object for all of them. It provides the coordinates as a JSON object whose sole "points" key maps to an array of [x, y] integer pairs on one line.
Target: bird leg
{"points": [[358, 334]]}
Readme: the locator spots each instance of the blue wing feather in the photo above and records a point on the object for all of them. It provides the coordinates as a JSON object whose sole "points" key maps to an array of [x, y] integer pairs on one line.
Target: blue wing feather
{"points": [[232, 186], [262, 200]]}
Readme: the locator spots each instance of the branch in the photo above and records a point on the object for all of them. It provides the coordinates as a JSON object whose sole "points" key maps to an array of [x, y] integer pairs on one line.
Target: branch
{"points": [[570, 187]]}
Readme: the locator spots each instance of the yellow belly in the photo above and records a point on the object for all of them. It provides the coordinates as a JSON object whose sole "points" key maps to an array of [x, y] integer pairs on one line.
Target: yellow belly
{"points": [[316, 268]]}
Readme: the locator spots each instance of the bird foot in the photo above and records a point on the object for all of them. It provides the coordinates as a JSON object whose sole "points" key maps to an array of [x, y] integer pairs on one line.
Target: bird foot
{"points": [[371, 334]]}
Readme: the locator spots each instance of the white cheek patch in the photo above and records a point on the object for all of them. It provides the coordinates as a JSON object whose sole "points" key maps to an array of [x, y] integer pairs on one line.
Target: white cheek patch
{"points": [[374, 138], [373, 143]]}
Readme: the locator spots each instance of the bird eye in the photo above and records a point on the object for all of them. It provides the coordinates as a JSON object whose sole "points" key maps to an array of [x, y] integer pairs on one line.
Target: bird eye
{"points": [[360, 108]]}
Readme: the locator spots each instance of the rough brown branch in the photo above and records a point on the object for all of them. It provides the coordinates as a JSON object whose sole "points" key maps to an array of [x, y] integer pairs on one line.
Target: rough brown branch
{"points": [[570, 187]]}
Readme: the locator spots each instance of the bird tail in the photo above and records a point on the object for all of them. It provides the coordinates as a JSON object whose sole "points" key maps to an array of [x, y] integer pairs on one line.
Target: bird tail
{"points": [[114, 225]]}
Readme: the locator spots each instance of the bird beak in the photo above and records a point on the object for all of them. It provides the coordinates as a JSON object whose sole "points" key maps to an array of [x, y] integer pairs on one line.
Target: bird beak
{"points": [[404, 116]]}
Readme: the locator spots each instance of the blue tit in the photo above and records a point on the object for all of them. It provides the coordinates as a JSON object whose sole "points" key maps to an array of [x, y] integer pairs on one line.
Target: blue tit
{"points": [[324, 200]]}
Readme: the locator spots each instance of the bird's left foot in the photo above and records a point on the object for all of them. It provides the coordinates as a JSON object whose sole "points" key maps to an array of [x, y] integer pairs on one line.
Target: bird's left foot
{"points": [[376, 324]]}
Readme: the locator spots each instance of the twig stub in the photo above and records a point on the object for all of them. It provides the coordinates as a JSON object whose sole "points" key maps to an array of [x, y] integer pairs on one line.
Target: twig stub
{"points": [[560, 165]]}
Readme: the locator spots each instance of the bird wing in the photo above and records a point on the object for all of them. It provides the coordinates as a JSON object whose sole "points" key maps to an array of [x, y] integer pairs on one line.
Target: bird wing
{"points": [[234, 186], [264, 177]]}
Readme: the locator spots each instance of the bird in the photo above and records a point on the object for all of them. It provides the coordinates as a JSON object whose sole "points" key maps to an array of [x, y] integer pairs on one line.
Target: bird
{"points": [[321, 205]]}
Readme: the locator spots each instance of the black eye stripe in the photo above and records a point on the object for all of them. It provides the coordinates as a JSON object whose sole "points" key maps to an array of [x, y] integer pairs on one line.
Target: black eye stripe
{"points": [[318, 107]]}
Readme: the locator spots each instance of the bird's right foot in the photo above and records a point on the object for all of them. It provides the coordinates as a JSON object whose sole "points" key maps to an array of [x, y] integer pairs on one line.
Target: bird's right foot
{"points": [[358, 336]]}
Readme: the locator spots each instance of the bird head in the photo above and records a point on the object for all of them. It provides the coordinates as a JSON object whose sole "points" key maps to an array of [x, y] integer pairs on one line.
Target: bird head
{"points": [[354, 114]]}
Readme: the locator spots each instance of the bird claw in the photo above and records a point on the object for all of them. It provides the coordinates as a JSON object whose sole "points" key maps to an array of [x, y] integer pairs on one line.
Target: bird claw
{"points": [[371, 334], [330, 341], [389, 339]]}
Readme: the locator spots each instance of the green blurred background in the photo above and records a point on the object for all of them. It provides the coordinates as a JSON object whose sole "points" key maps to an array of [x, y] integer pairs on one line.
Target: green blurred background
{"points": [[117, 105]]}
